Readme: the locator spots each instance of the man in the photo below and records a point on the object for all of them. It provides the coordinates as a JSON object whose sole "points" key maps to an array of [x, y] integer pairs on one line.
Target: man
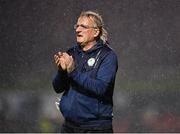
{"points": [[86, 76]]}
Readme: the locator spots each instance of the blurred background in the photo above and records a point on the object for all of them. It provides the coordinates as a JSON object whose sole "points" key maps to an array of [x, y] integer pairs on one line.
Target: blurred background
{"points": [[145, 34]]}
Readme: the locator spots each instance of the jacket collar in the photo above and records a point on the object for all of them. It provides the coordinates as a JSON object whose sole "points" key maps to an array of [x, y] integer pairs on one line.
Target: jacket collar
{"points": [[98, 45]]}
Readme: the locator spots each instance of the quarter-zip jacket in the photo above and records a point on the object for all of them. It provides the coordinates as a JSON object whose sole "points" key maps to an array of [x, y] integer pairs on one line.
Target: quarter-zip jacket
{"points": [[88, 89]]}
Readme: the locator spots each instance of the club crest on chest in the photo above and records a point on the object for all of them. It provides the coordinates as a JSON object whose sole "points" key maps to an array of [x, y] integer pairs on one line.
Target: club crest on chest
{"points": [[91, 62]]}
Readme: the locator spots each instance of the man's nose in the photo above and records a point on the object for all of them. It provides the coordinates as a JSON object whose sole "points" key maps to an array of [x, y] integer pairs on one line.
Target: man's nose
{"points": [[78, 29]]}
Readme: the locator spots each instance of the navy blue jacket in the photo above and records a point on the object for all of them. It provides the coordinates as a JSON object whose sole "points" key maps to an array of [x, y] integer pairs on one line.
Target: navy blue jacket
{"points": [[88, 90]]}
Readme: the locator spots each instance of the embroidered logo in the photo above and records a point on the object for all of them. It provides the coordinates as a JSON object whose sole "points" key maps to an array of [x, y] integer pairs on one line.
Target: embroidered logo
{"points": [[91, 62]]}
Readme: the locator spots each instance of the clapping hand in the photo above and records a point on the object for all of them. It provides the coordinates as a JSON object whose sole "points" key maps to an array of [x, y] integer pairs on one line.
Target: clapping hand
{"points": [[64, 61]]}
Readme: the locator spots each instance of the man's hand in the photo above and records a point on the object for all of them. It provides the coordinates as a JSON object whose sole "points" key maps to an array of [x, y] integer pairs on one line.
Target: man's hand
{"points": [[69, 61], [60, 61], [64, 61]]}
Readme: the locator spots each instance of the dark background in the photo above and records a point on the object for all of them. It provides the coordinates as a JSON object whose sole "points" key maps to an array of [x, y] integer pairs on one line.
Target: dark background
{"points": [[145, 34]]}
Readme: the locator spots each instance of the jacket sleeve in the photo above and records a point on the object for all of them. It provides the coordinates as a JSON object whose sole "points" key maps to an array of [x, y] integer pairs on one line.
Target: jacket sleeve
{"points": [[60, 82], [105, 76]]}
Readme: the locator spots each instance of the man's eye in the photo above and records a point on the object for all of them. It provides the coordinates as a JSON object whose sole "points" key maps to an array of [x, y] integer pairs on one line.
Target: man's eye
{"points": [[83, 26]]}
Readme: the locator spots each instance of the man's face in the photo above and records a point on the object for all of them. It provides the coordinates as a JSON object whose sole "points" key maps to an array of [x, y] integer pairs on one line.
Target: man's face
{"points": [[85, 31]]}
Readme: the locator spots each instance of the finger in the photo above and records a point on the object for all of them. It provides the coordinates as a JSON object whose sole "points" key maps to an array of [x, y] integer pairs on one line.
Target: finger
{"points": [[58, 63], [71, 65], [71, 62], [62, 64], [62, 59], [60, 54], [66, 56], [70, 57], [56, 56], [55, 59]]}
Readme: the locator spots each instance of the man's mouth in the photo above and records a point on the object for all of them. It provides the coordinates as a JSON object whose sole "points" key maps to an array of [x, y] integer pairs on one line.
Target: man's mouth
{"points": [[78, 35]]}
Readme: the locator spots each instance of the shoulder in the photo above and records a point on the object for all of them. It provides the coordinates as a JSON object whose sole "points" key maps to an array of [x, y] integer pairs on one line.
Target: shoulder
{"points": [[108, 51], [110, 57]]}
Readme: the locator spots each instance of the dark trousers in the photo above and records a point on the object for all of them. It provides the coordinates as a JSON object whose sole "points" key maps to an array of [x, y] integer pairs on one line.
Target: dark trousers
{"points": [[69, 127]]}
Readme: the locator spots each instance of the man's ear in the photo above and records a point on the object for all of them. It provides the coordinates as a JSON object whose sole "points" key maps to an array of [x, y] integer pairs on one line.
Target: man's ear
{"points": [[96, 32]]}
